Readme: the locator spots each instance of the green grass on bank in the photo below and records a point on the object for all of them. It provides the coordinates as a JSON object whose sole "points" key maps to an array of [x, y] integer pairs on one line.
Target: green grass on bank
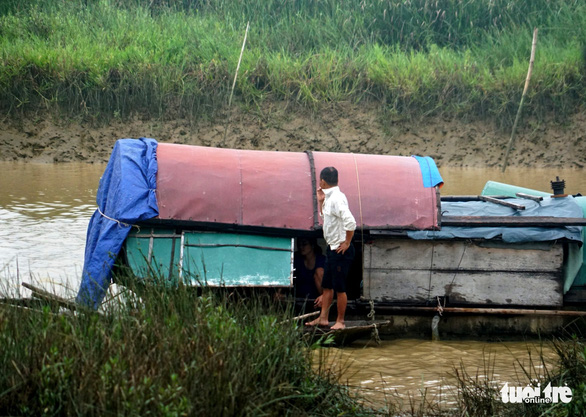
{"points": [[176, 354], [177, 58]]}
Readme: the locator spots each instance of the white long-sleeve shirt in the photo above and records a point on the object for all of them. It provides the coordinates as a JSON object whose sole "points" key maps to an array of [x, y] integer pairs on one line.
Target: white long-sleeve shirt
{"points": [[337, 217]]}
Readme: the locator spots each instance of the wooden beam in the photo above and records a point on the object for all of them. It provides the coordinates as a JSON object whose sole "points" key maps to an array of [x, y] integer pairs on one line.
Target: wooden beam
{"points": [[512, 221], [501, 202]]}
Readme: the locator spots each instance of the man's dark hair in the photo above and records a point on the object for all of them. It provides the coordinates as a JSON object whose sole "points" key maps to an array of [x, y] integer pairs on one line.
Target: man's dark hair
{"points": [[329, 175]]}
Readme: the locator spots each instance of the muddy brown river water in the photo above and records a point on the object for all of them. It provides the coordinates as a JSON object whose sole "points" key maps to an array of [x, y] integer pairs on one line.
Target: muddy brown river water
{"points": [[406, 372], [44, 213]]}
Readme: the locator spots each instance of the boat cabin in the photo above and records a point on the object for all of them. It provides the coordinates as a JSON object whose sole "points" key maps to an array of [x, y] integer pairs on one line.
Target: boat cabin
{"points": [[231, 218]]}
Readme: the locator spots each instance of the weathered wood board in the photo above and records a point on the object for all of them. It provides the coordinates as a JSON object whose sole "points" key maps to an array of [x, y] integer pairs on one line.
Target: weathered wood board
{"points": [[463, 255], [416, 272]]}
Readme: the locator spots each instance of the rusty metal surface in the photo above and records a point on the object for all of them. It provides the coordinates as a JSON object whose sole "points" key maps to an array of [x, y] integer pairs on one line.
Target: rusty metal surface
{"points": [[274, 189]]}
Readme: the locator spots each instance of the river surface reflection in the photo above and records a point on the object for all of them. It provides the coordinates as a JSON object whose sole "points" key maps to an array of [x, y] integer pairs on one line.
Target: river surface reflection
{"points": [[45, 210]]}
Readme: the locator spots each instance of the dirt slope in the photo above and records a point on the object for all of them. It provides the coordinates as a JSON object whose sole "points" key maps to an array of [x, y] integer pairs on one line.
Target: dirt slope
{"points": [[345, 129]]}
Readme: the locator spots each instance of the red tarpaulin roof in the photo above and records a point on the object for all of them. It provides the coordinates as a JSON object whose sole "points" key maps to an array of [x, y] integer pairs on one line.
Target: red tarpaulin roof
{"points": [[276, 189]]}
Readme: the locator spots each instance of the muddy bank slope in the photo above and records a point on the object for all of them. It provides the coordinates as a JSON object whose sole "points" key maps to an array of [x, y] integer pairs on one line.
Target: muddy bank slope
{"points": [[346, 129]]}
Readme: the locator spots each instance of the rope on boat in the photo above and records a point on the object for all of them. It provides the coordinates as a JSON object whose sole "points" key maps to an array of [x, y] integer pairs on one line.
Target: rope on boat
{"points": [[370, 315], [120, 223], [468, 243], [440, 309], [374, 333]]}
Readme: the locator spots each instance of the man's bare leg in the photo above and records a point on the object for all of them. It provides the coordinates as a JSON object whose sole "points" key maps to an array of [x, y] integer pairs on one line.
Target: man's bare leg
{"points": [[322, 320], [342, 303]]}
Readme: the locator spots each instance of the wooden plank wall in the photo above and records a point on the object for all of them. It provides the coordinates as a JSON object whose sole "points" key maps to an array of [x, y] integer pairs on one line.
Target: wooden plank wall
{"points": [[416, 272]]}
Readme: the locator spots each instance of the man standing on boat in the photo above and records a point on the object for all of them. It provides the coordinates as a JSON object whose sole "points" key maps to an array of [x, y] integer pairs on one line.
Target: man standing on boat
{"points": [[338, 229]]}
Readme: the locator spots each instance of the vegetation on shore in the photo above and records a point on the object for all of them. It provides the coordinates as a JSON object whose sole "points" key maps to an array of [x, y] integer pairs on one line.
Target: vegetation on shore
{"points": [[175, 353], [177, 58]]}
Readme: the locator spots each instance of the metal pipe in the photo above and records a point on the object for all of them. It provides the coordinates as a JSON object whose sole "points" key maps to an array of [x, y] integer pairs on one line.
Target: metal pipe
{"points": [[480, 310]]}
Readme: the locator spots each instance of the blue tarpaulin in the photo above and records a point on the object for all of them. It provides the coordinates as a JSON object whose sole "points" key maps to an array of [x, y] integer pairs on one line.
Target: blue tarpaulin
{"points": [[554, 207], [429, 172], [126, 195]]}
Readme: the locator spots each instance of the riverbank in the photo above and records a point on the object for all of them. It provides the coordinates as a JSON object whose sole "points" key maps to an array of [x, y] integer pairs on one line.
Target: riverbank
{"points": [[340, 128], [379, 77], [389, 77]]}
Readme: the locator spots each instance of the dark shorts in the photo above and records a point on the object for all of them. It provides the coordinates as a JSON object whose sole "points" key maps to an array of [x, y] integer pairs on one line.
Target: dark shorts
{"points": [[336, 270]]}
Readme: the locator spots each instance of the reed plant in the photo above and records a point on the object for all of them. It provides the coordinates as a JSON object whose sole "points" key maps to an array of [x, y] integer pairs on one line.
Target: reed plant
{"points": [[168, 352], [176, 58]]}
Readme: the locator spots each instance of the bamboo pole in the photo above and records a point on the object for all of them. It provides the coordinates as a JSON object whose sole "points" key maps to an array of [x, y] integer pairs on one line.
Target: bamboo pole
{"points": [[529, 197], [501, 202], [52, 298], [306, 316], [529, 72], [234, 84], [302, 317]]}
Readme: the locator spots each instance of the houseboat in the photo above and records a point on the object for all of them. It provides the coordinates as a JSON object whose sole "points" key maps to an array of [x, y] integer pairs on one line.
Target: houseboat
{"points": [[230, 218]]}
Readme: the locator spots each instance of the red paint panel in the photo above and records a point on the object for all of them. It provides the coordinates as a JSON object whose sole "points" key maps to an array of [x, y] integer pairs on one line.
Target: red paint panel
{"points": [[198, 183], [391, 192], [274, 189], [252, 188]]}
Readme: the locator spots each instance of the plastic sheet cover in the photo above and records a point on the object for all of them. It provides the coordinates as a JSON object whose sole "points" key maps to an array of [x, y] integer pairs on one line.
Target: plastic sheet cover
{"points": [[126, 195], [555, 207], [574, 264]]}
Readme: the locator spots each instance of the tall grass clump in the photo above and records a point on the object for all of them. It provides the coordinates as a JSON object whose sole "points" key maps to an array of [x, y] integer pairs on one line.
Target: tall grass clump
{"points": [[169, 352], [175, 58]]}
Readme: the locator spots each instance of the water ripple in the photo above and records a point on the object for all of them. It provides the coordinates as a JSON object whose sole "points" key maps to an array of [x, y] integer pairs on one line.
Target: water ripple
{"points": [[43, 223]]}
